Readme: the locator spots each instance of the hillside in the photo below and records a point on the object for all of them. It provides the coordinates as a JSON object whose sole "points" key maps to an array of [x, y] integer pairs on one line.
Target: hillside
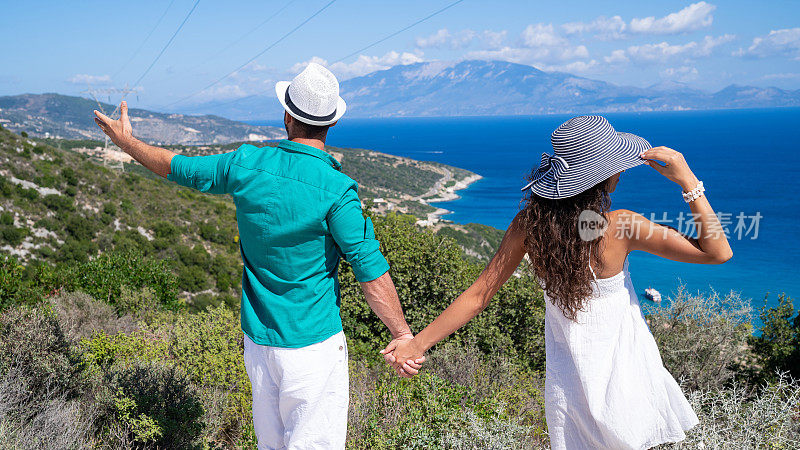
{"points": [[90, 348], [63, 205], [487, 88], [62, 116]]}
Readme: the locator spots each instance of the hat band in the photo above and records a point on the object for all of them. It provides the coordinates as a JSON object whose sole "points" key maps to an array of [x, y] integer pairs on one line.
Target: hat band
{"points": [[304, 114]]}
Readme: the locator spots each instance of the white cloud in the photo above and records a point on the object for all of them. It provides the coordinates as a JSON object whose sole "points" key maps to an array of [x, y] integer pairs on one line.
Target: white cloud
{"points": [[363, 64], [785, 42], [494, 39], [444, 38], [83, 78], [541, 35], [709, 43], [658, 52], [222, 92], [616, 57], [782, 76], [573, 67], [693, 17], [606, 28], [682, 74], [664, 51]]}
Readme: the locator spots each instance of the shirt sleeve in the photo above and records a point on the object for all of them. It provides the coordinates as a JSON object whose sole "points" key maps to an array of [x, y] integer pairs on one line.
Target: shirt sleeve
{"points": [[355, 237], [204, 173]]}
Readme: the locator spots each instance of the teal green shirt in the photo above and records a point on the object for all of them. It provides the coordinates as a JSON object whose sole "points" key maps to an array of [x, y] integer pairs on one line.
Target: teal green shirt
{"points": [[297, 215]]}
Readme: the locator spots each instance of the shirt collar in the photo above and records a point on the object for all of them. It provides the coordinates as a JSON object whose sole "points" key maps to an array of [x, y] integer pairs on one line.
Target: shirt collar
{"points": [[296, 147]]}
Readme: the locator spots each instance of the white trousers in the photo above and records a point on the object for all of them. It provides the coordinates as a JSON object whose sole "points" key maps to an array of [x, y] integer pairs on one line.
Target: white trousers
{"points": [[300, 395]]}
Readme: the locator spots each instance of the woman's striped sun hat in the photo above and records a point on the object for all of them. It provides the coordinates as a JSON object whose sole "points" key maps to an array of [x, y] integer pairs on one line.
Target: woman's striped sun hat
{"points": [[586, 151]]}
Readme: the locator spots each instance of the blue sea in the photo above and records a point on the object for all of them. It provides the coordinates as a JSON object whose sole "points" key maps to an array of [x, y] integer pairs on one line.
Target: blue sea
{"points": [[748, 160]]}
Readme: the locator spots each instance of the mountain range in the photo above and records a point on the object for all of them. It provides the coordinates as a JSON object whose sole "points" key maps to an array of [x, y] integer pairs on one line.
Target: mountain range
{"points": [[485, 88], [62, 116]]}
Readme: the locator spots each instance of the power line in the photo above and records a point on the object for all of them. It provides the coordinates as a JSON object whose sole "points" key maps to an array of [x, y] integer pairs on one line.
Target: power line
{"points": [[257, 54], [135, 53], [167, 44], [399, 31], [247, 33]]}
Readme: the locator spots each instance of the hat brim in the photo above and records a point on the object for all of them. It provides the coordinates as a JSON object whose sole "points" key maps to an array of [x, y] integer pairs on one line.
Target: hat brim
{"points": [[623, 156], [280, 91]]}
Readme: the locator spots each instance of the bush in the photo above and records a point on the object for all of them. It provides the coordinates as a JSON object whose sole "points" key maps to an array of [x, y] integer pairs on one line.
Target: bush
{"points": [[35, 351], [155, 404], [702, 338], [58, 203], [75, 251], [59, 424], [13, 235], [778, 345], [209, 347], [15, 284], [434, 411], [429, 272], [80, 316], [81, 228], [730, 418], [104, 277]]}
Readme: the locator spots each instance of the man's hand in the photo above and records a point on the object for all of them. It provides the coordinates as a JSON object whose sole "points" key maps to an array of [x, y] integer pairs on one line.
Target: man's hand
{"points": [[403, 355], [119, 131]]}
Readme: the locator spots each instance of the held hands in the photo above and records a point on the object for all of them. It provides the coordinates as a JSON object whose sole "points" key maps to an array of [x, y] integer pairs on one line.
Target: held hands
{"points": [[675, 167], [404, 356], [119, 131]]}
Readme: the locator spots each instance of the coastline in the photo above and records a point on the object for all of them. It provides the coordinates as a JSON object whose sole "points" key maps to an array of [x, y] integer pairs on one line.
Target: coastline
{"points": [[446, 194]]}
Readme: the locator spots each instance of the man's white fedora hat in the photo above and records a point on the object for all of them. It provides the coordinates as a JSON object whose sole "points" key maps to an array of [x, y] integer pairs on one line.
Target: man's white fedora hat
{"points": [[312, 97]]}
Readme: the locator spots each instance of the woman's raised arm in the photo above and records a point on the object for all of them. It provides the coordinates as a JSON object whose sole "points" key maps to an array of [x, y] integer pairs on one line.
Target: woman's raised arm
{"points": [[711, 245]]}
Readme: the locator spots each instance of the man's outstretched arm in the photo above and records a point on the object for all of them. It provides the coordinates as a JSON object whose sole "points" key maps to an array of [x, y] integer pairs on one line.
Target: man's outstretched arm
{"points": [[121, 133]]}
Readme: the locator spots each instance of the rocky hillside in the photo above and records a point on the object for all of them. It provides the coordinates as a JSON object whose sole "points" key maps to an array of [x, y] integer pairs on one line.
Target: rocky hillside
{"points": [[59, 203], [62, 116]]}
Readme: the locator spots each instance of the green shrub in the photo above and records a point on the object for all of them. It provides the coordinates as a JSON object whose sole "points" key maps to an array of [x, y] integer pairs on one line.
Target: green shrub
{"points": [[28, 193], [34, 348], [702, 338], [80, 227], [80, 316], [777, 346], [58, 203], [192, 279], [735, 418], [6, 187], [69, 176], [105, 276], [429, 272], [12, 235], [156, 404], [16, 285], [76, 251]]}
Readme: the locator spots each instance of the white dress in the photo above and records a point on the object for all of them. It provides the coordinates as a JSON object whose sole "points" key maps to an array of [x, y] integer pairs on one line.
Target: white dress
{"points": [[605, 384]]}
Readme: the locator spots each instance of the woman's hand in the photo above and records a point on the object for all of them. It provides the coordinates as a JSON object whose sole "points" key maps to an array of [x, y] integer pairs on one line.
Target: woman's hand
{"points": [[675, 167], [404, 356]]}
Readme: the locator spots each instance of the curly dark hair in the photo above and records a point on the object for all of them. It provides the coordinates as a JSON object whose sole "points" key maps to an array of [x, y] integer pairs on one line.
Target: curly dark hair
{"points": [[558, 256]]}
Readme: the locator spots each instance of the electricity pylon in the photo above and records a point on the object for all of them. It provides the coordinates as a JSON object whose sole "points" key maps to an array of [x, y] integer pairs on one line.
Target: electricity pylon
{"points": [[95, 92]]}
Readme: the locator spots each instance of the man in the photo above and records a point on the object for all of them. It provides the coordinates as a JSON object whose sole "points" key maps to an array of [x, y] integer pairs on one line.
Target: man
{"points": [[297, 215]]}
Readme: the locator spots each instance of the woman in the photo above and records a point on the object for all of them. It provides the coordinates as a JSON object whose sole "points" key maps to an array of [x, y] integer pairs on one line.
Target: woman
{"points": [[605, 384]]}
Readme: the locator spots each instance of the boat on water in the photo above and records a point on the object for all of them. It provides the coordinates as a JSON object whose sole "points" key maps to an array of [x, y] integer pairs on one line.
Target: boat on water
{"points": [[652, 295]]}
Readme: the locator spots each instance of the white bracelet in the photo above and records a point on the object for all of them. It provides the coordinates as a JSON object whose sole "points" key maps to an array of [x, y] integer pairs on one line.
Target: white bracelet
{"points": [[695, 193]]}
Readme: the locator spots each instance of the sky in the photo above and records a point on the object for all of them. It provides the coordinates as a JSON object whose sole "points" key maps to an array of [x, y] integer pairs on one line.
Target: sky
{"points": [[64, 47]]}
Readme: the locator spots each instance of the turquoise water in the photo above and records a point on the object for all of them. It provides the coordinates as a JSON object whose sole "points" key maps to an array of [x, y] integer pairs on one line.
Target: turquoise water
{"points": [[748, 160]]}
